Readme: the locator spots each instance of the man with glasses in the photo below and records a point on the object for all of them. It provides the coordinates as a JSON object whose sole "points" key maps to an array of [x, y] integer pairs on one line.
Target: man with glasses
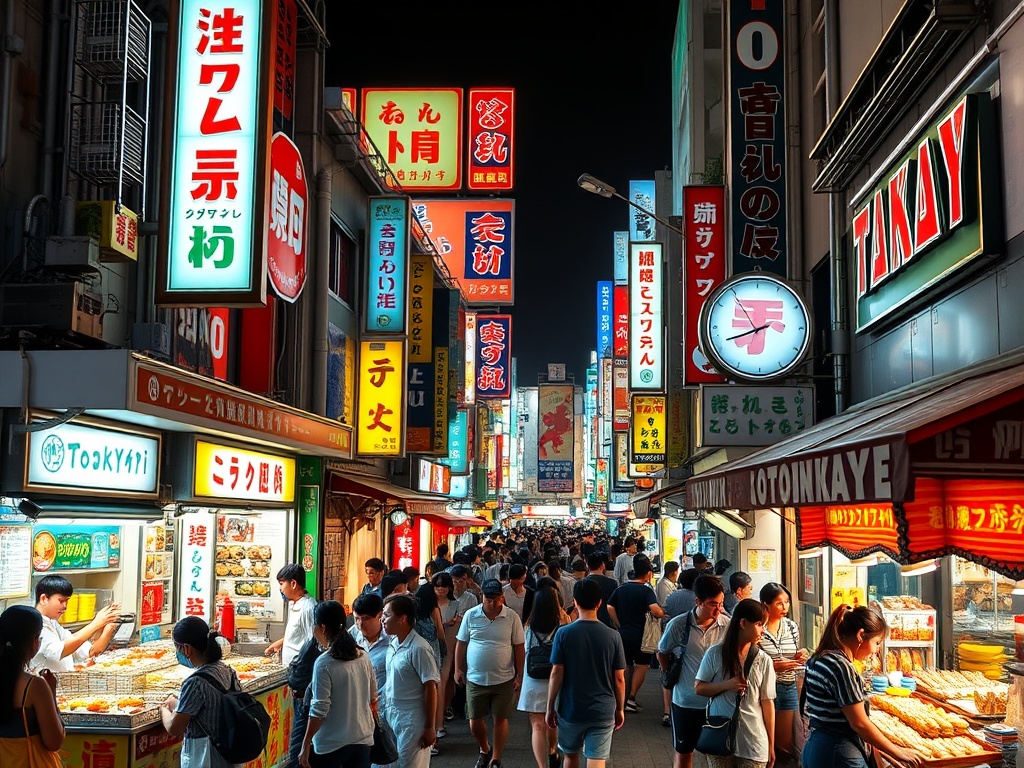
{"points": [[374, 568], [691, 634]]}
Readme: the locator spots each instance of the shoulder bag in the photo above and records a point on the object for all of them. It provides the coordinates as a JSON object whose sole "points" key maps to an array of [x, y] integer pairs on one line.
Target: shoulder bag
{"points": [[652, 634], [670, 676], [27, 751], [718, 734], [384, 751]]}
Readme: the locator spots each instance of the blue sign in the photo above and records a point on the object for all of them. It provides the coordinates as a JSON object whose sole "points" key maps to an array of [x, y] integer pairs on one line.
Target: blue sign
{"points": [[488, 241], [604, 318], [387, 259], [641, 225], [620, 253], [458, 442]]}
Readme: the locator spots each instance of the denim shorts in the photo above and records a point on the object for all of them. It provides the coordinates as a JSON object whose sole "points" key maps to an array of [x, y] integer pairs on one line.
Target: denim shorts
{"points": [[594, 741], [830, 750], [785, 697]]}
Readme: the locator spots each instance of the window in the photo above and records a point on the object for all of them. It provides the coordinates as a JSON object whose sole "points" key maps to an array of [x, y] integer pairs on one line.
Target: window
{"points": [[341, 269]]}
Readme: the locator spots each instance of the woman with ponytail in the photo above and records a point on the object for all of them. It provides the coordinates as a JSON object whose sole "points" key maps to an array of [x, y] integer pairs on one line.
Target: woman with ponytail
{"points": [[339, 733], [732, 678], [842, 735]]}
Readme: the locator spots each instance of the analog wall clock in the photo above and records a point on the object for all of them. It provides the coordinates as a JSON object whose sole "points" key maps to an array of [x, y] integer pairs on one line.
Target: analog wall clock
{"points": [[755, 327], [398, 517]]}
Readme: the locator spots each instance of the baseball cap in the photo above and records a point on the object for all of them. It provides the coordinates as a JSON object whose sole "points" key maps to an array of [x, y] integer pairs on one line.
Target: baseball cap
{"points": [[491, 588]]}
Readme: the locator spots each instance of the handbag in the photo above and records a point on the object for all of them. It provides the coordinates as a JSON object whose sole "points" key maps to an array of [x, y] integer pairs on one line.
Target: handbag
{"points": [[670, 676], [718, 734], [27, 751], [384, 750], [652, 634]]}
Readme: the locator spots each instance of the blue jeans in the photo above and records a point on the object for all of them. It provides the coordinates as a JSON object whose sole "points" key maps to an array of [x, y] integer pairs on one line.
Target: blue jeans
{"points": [[831, 750], [300, 716]]}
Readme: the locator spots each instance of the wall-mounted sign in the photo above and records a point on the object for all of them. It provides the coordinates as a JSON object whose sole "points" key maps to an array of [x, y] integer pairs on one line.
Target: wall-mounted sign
{"points": [[620, 256], [755, 327], [419, 132], [604, 318], [704, 268], [405, 550], [620, 395], [197, 538], [646, 323], [469, 372], [115, 227], [490, 151], [493, 356], [641, 225], [77, 458], [933, 213], [756, 173], [75, 547], [213, 237], [421, 309], [621, 479], [224, 472], [286, 219], [475, 237], [458, 442], [286, 30], [419, 418], [620, 320], [387, 264], [555, 438], [381, 412], [649, 436], [731, 414], [439, 438]]}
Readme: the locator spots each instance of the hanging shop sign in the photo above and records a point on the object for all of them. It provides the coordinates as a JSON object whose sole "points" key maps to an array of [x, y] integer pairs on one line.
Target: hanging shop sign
{"points": [[648, 435], [469, 352], [406, 546], [198, 531], [75, 547], [620, 395], [620, 257], [704, 269], [286, 30], [380, 423], [934, 213], [114, 226], [604, 318], [212, 248], [224, 472], [387, 265], [493, 356], [475, 238], [646, 321], [458, 442], [621, 479], [419, 132], [419, 416], [421, 308], [620, 319], [555, 438], [641, 223], [732, 414], [439, 432], [74, 458], [490, 162], [286, 219], [757, 167]]}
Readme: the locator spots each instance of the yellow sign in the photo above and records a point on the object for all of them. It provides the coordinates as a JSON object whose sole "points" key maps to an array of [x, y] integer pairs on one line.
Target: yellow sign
{"points": [[380, 426], [225, 472], [648, 426], [421, 309], [87, 750], [852, 596], [116, 229]]}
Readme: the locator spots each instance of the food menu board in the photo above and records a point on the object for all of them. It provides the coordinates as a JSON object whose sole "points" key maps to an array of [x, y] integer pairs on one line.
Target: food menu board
{"points": [[75, 547], [250, 551], [15, 561], [157, 575]]}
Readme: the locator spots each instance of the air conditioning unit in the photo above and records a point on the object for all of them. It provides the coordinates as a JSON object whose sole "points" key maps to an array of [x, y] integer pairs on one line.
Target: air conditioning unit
{"points": [[72, 254], [62, 307], [154, 338]]}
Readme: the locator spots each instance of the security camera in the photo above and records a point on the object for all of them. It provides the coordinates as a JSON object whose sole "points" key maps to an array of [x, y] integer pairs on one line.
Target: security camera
{"points": [[29, 509]]}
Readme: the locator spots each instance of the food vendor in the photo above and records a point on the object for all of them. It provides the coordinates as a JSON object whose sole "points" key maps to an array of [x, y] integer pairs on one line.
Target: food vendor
{"points": [[59, 649]]}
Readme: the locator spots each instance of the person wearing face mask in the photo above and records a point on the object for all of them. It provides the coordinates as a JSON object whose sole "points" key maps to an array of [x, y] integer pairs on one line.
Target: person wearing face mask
{"points": [[195, 714]]}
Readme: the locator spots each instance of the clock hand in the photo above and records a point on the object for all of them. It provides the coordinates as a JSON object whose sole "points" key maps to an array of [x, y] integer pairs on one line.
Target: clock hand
{"points": [[743, 309], [746, 333]]}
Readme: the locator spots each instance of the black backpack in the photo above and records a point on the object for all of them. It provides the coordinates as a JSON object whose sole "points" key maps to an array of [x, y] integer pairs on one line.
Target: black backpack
{"points": [[300, 670], [538, 656], [244, 724]]}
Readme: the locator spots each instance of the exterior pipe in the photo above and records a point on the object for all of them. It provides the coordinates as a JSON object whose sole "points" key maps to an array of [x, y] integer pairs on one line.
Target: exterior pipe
{"points": [[320, 307], [5, 76], [52, 90]]}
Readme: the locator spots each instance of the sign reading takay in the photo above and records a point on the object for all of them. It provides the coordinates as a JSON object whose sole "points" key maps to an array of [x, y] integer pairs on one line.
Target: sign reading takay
{"points": [[932, 213]]}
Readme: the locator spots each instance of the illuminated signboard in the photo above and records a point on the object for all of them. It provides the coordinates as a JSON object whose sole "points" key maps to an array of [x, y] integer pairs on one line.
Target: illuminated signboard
{"points": [[491, 158], [286, 219], [620, 253], [213, 235], [494, 356], [469, 374], [381, 412], [387, 259], [555, 438], [195, 590], [604, 318], [641, 225], [704, 257], [646, 325], [225, 472], [421, 309], [419, 132], [458, 442], [649, 436]]}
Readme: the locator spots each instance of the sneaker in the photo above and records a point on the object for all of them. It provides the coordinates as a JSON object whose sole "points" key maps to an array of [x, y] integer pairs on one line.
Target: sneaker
{"points": [[632, 706], [435, 751], [484, 758], [442, 732], [554, 760], [495, 764], [666, 720], [449, 714]]}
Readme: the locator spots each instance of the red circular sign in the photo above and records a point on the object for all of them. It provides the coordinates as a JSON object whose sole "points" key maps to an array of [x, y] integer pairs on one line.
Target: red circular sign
{"points": [[286, 219]]}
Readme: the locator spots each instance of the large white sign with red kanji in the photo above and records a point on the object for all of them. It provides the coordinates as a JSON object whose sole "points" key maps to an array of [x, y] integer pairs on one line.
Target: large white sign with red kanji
{"points": [[646, 323], [198, 534]]}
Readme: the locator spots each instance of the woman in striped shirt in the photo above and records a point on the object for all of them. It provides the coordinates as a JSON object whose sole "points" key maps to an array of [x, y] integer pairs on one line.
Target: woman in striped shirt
{"points": [[781, 641], [842, 735]]}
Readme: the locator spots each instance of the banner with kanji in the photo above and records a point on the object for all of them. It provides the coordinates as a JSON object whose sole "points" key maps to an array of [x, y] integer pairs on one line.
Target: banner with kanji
{"points": [[381, 412], [493, 356]]}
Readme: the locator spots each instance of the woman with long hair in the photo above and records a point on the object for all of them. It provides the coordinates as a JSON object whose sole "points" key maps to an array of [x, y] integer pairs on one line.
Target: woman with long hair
{"points": [[781, 641], [430, 628], [545, 619], [836, 706], [339, 733], [444, 591], [28, 705], [731, 678]]}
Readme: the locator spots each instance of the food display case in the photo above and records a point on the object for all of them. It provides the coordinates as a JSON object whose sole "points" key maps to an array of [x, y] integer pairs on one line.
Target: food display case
{"points": [[910, 645], [983, 604]]}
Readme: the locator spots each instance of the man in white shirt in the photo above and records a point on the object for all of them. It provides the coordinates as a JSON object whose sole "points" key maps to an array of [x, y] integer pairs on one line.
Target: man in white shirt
{"points": [[624, 562], [461, 578], [517, 595], [410, 691], [59, 649]]}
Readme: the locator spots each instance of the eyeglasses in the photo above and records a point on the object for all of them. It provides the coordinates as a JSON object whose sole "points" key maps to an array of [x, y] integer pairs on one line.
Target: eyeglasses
{"points": [[714, 606]]}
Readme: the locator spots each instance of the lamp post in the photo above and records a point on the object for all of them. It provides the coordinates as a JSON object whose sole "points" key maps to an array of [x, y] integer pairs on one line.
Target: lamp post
{"points": [[596, 186]]}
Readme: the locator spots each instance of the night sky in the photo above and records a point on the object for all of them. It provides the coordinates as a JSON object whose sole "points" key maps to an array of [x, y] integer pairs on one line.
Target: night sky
{"points": [[593, 94]]}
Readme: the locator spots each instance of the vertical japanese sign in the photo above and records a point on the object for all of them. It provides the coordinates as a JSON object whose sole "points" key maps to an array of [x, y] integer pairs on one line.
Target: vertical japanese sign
{"points": [[646, 324], [285, 39], [704, 268], [419, 419], [439, 443], [197, 535], [475, 238], [286, 219], [469, 372], [620, 320], [555, 438], [620, 395], [604, 319], [491, 159], [458, 442], [601, 479], [641, 225], [212, 238], [381, 398], [493, 356], [620, 257], [407, 544], [622, 480], [648, 441], [419, 132], [421, 309], [387, 264], [757, 135]]}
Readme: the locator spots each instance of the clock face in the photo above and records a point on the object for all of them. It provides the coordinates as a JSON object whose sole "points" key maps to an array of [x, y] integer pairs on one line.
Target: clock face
{"points": [[755, 327], [398, 517]]}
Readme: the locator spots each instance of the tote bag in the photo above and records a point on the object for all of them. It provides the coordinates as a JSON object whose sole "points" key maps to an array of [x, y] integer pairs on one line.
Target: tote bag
{"points": [[384, 750], [652, 634]]}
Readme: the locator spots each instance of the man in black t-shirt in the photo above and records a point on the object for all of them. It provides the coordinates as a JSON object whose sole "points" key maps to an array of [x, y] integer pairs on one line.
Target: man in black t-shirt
{"points": [[628, 607], [597, 565]]}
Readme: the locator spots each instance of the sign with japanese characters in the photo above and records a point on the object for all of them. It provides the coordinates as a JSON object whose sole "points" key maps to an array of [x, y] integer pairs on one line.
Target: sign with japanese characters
{"points": [[83, 459], [555, 438], [491, 159], [704, 268], [286, 30], [641, 223], [621, 479], [387, 264], [756, 173], [439, 439], [649, 438], [604, 318], [286, 219], [458, 442], [932, 213], [854, 529], [115, 227], [419, 132], [646, 323], [493, 356], [620, 256], [620, 321], [197, 534], [733, 414], [421, 309], [620, 395], [213, 236], [419, 417], [469, 372], [381, 412], [406, 547], [225, 472], [475, 240]]}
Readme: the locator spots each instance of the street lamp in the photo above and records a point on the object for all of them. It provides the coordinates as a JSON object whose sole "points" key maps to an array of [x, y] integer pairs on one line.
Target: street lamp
{"points": [[596, 186]]}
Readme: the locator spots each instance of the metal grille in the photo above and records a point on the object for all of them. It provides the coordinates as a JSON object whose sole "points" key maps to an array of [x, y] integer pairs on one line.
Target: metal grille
{"points": [[112, 40], [107, 140]]}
